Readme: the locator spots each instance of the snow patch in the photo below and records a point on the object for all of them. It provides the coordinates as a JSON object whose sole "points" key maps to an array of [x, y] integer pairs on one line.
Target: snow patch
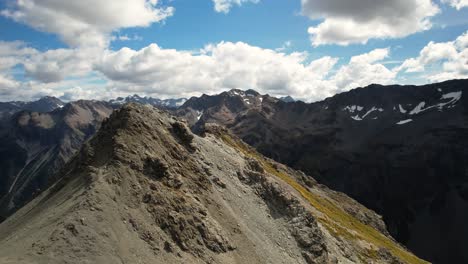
{"points": [[402, 122], [199, 114], [353, 108], [370, 111], [453, 98], [181, 102], [402, 110], [419, 108]]}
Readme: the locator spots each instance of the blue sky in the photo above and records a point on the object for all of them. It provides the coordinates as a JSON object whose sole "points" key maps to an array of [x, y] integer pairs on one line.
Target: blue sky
{"points": [[49, 59]]}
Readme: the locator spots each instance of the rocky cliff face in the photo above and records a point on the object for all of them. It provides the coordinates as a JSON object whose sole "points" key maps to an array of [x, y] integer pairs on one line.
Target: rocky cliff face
{"points": [[400, 150], [35, 145], [146, 190]]}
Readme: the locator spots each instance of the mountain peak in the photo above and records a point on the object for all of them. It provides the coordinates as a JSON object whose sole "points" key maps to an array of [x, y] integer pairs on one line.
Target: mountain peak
{"points": [[287, 99]]}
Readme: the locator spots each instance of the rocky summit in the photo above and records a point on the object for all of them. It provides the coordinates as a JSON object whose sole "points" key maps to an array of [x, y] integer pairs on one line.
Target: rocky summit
{"points": [[145, 189]]}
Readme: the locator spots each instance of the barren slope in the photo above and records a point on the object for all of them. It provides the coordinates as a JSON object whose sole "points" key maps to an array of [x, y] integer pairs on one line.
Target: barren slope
{"points": [[146, 190]]}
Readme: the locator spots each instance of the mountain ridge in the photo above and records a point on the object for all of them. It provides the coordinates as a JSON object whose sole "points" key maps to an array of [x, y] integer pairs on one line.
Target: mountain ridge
{"points": [[411, 136], [365, 132], [186, 198]]}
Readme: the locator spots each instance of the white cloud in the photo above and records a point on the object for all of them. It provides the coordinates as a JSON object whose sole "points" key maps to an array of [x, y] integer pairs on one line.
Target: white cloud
{"points": [[79, 25], [458, 4], [450, 60], [56, 65], [363, 70], [286, 46], [7, 84], [162, 72], [227, 65], [48, 66], [11, 53], [357, 21], [126, 38], [224, 6], [218, 67]]}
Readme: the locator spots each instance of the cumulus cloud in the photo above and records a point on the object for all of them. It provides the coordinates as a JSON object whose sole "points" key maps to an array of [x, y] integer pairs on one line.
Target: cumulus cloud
{"points": [[224, 6], [363, 70], [162, 72], [56, 65], [226, 65], [449, 58], [12, 53], [357, 21], [218, 67], [7, 83], [458, 4], [79, 25], [48, 66]]}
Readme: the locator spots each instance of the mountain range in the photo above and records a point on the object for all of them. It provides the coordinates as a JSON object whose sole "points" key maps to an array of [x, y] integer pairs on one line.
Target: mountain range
{"points": [[165, 103], [145, 189], [398, 150]]}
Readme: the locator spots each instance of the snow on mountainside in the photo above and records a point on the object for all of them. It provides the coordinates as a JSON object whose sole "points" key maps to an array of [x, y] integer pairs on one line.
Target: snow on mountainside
{"points": [[446, 102], [401, 150], [166, 103]]}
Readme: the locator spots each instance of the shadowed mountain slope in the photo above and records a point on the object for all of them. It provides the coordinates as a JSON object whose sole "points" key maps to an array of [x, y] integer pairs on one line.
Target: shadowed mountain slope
{"points": [[400, 150], [34, 146]]}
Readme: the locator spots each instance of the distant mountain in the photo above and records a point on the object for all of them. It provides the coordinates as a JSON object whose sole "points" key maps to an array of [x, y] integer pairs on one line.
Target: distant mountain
{"points": [[147, 190], [43, 105], [35, 145], [227, 108], [50, 103], [400, 150], [166, 103], [287, 99]]}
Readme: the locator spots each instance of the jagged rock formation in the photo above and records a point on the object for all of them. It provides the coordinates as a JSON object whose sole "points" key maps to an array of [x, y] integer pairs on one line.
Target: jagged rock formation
{"points": [[34, 146], [400, 150], [146, 190], [228, 108]]}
